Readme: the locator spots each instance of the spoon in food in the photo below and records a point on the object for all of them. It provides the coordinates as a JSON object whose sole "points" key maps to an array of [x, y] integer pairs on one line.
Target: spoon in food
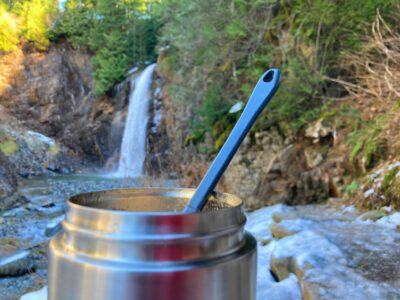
{"points": [[265, 89]]}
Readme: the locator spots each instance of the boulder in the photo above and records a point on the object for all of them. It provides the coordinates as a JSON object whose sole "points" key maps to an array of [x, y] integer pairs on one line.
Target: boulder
{"points": [[289, 227], [9, 196], [284, 215], [373, 215], [320, 132]]}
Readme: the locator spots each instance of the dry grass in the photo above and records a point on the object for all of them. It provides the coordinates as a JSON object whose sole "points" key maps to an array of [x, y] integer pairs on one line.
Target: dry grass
{"points": [[375, 92], [376, 67]]}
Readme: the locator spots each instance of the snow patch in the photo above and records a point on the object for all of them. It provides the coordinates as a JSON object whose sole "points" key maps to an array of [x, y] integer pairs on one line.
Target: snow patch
{"points": [[368, 193], [395, 165], [236, 107], [349, 209], [391, 221], [13, 258], [307, 248], [37, 295]]}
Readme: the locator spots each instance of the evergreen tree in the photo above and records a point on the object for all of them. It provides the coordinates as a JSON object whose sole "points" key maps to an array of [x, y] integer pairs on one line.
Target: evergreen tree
{"points": [[34, 19]]}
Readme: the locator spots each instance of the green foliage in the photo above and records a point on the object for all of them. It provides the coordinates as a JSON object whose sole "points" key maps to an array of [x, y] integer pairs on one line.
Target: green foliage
{"points": [[352, 188], [239, 40], [368, 142], [8, 145], [389, 179], [212, 117], [76, 22], [26, 19], [8, 30], [120, 34], [34, 19], [54, 149]]}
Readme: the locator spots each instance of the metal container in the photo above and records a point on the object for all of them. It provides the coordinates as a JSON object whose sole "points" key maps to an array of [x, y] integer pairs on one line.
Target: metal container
{"points": [[130, 244]]}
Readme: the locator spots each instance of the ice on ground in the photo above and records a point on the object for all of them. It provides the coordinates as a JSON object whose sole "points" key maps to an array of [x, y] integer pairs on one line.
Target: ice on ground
{"points": [[391, 221], [287, 289], [368, 193], [349, 209], [307, 248], [267, 288]]}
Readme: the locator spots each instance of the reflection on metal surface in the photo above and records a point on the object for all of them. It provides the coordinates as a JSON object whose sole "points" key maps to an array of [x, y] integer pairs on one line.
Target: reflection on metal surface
{"points": [[131, 244]]}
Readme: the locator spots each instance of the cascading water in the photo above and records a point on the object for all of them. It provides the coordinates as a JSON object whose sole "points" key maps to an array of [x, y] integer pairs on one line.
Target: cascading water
{"points": [[133, 147]]}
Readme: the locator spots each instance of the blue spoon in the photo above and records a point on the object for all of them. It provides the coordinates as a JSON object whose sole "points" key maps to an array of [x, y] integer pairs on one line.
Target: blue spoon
{"points": [[265, 89]]}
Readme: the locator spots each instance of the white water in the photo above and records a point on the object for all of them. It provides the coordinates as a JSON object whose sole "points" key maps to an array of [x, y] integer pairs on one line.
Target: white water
{"points": [[133, 147]]}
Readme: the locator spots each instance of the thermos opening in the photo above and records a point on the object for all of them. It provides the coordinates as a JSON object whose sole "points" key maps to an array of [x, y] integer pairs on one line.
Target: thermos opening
{"points": [[149, 200]]}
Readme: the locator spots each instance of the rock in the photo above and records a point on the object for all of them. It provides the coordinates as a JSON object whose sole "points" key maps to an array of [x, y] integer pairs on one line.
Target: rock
{"points": [[284, 215], [303, 251], [9, 245], [279, 232], [320, 132], [37, 295], [9, 196], [289, 227], [372, 215], [259, 221], [54, 226], [58, 103], [16, 264], [313, 158]]}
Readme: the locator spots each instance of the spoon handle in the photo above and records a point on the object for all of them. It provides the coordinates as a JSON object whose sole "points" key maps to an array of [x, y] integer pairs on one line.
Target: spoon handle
{"points": [[262, 93]]}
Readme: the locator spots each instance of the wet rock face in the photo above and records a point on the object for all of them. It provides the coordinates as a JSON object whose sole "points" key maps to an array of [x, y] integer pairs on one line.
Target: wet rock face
{"points": [[32, 153], [9, 195], [273, 170], [157, 161], [51, 92]]}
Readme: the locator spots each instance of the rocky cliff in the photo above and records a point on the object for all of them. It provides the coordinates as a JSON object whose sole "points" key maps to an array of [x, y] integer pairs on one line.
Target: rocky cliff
{"points": [[50, 121], [52, 93]]}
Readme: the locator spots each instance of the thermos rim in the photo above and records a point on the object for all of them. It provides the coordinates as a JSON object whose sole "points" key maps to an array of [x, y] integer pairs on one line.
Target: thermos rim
{"points": [[73, 202]]}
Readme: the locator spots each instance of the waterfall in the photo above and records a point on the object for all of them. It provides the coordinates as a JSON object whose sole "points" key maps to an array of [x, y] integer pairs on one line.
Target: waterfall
{"points": [[133, 147]]}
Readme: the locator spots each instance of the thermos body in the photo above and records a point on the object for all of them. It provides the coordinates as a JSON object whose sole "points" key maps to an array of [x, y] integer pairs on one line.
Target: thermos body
{"points": [[143, 252]]}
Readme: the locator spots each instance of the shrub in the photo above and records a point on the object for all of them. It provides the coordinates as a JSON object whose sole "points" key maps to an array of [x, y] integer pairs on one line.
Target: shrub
{"points": [[34, 19]]}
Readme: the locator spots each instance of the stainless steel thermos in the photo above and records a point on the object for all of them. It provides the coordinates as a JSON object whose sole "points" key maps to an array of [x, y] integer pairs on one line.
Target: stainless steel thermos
{"points": [[129, 244]]}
